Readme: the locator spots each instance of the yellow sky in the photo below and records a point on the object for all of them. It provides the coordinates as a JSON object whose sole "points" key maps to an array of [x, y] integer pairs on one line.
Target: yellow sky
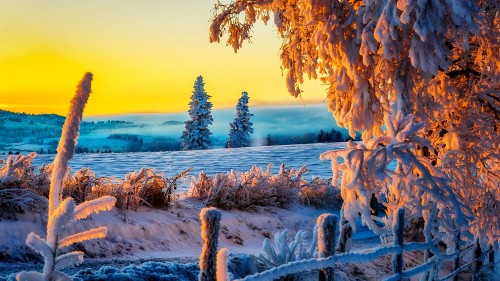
{"points": [[145, 56]]}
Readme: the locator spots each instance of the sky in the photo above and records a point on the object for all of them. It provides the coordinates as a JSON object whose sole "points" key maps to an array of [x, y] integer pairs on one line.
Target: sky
{"points": [[145, 56]]}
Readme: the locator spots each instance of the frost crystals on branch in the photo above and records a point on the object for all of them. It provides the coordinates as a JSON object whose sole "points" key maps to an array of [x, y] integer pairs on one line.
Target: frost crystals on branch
{"points": [[63, 214], [415, 185], [284, 252], [435, 60], [196, 134]]}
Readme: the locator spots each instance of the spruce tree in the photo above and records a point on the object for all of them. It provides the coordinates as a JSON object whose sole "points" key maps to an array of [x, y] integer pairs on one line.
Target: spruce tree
{"points": [[196, 134], [241, 127]]}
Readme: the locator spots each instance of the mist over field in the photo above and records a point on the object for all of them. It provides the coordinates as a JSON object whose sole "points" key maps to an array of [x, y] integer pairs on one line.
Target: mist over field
{"points": [[162, 131], [286, 120]]}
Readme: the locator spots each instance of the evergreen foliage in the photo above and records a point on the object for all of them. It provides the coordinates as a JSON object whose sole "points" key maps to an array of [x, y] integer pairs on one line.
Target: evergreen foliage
{"points": [[196, 134], [241, 127]]}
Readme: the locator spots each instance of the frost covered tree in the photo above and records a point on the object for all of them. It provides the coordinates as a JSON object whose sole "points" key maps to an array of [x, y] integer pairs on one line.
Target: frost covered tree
{"points": [[426, 71], [62, 214], [196, 134], [241, 127]]}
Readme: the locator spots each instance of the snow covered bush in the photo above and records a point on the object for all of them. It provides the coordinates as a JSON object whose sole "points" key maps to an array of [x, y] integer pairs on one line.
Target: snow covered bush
{"points": [[61, 215], [201, 188], [20, 189], [320, 193], [147, 187], [171, 271], [196, 134], [82, 185], [284, 252], [16, 170], [241, 127], [415, 185], [249, 189], [14, 201]]}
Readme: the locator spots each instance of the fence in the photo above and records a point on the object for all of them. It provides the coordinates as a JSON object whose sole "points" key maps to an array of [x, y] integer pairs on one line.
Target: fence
{"points": [[325, 263]]}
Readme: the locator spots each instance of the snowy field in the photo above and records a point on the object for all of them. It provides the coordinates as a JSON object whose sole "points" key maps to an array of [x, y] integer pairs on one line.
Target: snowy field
{"points": [[211, 161], [140, 242]]}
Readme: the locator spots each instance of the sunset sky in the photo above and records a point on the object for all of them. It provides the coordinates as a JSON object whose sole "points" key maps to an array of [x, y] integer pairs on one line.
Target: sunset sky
{"points": [[145, 56]]}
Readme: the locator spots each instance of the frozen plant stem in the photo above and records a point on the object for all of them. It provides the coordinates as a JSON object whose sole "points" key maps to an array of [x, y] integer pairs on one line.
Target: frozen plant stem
{"points": [[62, 214], [210, 220], [65, 151]]}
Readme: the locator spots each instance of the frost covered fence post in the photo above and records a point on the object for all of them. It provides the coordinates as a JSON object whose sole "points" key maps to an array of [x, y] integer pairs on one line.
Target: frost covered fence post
{"points": [[345, 234], [478, 263], [456, 261], [398, 233], [327, 236], [210, 220], [222, 264], [491, 258]]}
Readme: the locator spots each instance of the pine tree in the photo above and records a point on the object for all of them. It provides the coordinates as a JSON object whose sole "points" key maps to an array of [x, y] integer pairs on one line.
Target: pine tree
{"points": [[196, 134], [241, 127], [268, 141]]}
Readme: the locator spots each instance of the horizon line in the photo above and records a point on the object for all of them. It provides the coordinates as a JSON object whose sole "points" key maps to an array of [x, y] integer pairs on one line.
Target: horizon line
{"points": [[167, 112]]}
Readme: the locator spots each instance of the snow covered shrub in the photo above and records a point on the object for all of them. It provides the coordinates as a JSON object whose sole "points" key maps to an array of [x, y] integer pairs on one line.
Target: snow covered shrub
{"points": [[20, 189], [83, 185], [320, 193], [149, 187], [61, 215], [284, 252], [201, 188], [415, 185], [160, 271], [16, 171], [249, 189], [13, 201]]}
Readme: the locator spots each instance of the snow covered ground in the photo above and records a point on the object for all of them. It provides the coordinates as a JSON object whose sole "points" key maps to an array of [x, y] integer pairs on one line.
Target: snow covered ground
{"points": [[173, 236], [148, 234]]}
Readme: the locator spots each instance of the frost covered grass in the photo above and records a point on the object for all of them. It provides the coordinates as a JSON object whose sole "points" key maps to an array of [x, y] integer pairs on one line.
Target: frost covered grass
{"points": [[257, 187], [22, 190], [149, 187]]}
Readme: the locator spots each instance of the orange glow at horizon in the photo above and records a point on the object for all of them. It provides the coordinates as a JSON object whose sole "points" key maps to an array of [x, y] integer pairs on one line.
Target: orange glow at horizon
{"points": [[145, 57]]}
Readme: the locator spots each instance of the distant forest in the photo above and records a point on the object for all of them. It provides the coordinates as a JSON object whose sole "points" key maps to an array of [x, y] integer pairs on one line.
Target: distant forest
{"points": [[21, 133], [321, 137]]}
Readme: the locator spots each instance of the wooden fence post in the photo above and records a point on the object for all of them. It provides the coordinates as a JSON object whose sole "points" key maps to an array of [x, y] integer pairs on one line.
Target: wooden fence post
{"points": [[345, 234], [456, 261], [491, 258], [210, 220], [327, 236], [398, 228], [222, 270], [478, 263], [429, 219]]}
